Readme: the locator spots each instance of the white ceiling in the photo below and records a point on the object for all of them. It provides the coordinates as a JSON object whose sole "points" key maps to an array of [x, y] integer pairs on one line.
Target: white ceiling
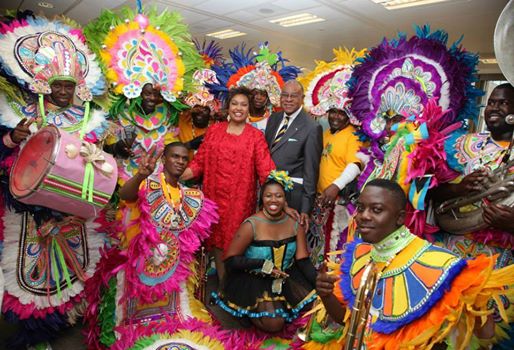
{"points": [[351, 23]]}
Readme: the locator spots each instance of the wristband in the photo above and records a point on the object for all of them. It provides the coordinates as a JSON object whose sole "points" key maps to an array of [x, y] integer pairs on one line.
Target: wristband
{"points": [[8, 141]]}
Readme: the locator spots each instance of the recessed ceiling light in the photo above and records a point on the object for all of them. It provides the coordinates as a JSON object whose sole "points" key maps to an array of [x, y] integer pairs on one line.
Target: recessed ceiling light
{"points": [[226, 34], [45, 4], [488, 60], [399, 4], [297, 20]]}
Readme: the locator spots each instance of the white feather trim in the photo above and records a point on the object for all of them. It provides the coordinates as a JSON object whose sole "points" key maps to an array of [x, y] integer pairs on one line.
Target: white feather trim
{"points": [[98, 117], [339, 223], [8, 116], [13, 225]]}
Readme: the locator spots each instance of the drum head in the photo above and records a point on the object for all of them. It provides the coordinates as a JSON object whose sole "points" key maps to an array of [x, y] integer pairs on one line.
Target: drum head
{"points": [[34, 162]]}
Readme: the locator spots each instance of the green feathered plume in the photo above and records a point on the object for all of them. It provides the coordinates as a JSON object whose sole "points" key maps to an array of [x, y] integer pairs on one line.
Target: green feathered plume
{"points": [[168, 22]]}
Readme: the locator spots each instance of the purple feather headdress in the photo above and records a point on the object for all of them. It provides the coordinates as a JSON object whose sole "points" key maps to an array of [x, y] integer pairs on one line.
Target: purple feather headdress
{"points": [[399, 76]]}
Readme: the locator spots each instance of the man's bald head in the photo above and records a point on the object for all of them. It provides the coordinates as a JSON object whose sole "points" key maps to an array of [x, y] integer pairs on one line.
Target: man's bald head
{"points": [[291, 98]]}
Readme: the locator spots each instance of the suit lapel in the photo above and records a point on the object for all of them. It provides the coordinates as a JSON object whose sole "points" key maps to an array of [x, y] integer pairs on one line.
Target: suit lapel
{"points": [[291, 130]]}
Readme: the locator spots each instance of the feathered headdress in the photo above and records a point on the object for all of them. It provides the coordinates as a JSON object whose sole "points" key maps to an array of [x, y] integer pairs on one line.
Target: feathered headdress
{"points": [[399, 76], [325, 87], [211, 54], [137, 49], [37, 52], [254, 71]]}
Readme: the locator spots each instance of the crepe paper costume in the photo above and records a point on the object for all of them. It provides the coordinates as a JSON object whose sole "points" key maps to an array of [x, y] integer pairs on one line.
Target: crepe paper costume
{"points": [[211, 55], [231, 166], [415, 158], [143, 291], [326, 86], [136, 49], [399, 77], [48, 256], [262, 71], [425, 295]]}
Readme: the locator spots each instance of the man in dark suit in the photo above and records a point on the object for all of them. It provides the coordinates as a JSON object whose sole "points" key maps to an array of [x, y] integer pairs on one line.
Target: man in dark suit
{"points": [[295, 142]]}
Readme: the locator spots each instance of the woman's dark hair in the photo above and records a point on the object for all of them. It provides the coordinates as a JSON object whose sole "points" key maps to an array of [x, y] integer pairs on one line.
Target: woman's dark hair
{"points": [[240, 90], [267, 183]]}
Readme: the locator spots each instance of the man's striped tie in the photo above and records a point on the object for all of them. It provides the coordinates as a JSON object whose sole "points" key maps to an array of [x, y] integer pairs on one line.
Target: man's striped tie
{"points": [[282, 130]]}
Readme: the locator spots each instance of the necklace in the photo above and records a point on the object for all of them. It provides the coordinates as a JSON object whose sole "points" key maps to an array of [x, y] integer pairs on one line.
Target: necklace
{"points": [[171, 193], [271, 217], [387, 249]]}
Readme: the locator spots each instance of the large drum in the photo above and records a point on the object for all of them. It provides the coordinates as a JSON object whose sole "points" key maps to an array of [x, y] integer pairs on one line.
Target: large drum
{"points": [[51, 171]]}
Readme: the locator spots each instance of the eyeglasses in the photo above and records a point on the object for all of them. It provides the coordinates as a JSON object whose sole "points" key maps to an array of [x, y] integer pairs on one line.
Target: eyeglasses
{"points": [[293, 96]]}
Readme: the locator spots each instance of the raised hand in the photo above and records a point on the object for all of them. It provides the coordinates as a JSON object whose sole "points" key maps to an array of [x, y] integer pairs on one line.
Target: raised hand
{"points": [[148, 161], [21, 131]]}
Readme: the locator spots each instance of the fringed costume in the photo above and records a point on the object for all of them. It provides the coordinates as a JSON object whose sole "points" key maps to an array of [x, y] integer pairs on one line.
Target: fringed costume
{"points": [[425, 294], [394, 83], [47, 256], [325, 89], [142, 295], [138, 49]]}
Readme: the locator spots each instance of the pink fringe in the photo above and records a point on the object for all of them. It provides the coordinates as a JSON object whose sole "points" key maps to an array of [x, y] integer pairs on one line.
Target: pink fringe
{"points": [[9, 28], [24, 311], [141, 247], [494, 237]]}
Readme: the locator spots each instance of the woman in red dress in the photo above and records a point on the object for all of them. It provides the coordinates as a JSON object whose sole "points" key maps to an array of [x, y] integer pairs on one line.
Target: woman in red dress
{"points": [[232, 158]]}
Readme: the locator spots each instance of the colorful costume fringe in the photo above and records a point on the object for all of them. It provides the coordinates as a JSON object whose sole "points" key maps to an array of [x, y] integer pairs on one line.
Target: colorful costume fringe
{"points": [[138, 49], [401, 75], [426, 295], [49, 256], [143, 294]]}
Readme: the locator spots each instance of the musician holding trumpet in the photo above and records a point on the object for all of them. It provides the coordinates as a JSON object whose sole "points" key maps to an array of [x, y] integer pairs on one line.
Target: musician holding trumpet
{"points": [[394, 290]]}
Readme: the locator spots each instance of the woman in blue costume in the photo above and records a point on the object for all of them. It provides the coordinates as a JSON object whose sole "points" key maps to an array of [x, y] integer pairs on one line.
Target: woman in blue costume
{"points": [[269, 261]]}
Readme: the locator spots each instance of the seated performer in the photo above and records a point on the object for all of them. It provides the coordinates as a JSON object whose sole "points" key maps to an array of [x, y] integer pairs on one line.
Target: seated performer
{"points": [[270, 277], [144, 289], [425, 295]]}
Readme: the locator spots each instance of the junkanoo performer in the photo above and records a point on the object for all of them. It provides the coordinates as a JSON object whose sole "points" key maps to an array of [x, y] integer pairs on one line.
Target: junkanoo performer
{"points": [[47, 255], [193, 123], [142, 295], [149, 61], [425, 295], [394, 83], [263, 72], [326, 94], [475, 156]]}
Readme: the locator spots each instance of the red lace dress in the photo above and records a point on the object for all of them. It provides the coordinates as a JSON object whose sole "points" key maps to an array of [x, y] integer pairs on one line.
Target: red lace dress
{"points": [[231, 165]]}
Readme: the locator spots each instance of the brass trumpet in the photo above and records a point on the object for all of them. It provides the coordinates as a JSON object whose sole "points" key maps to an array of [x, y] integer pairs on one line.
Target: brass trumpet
{"points": [[361, 306]]}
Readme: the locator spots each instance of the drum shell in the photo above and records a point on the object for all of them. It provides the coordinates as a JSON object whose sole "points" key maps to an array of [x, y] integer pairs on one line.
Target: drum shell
{"points": [[60, 186]]}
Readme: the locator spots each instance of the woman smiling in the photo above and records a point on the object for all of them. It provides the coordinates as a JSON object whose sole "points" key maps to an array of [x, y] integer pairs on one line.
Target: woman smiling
{"points": [[232, 159]]}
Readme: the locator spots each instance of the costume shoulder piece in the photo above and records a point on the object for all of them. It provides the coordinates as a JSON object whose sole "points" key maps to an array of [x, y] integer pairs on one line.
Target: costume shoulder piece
{"points": [[414, 282]]}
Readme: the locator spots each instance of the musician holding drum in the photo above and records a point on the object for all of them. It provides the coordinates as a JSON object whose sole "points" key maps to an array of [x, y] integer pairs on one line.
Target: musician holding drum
{"points": [[48, 254]]}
